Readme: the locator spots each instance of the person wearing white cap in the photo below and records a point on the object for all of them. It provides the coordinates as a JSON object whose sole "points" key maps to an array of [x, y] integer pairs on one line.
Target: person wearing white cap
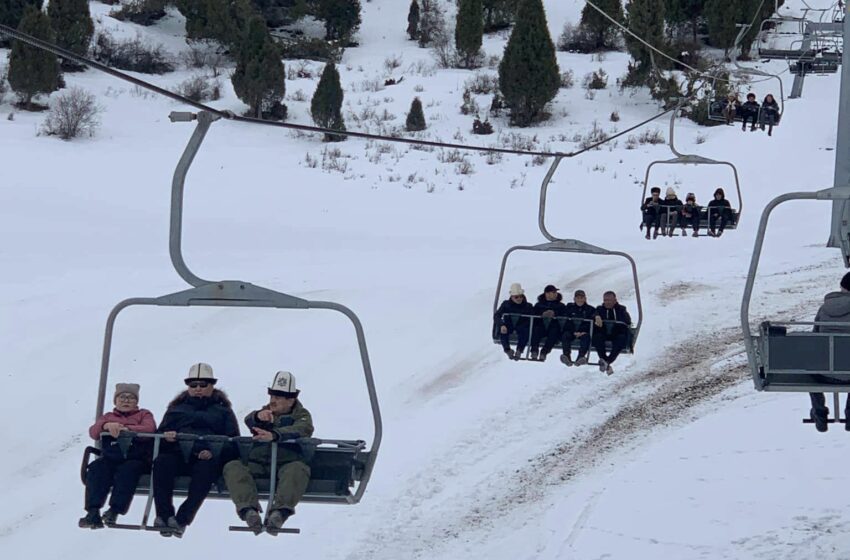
{"points": [[513, 316], [200, 410], [285, 420], [671, 208]]}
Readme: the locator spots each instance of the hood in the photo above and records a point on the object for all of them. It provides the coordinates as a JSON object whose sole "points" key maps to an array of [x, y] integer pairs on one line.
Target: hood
{"points": [[836, 305], [218, 397], [542, 298]]}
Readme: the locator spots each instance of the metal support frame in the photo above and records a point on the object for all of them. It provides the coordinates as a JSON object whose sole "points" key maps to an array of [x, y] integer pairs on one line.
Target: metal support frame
{"points": [[691, 159], [205, 293], [841, 209], [751, 341], [565, 246]]}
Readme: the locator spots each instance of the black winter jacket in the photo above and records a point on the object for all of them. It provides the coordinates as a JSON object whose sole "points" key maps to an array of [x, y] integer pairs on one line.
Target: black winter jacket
{"points": [[616, 313], [770, 108], [508, 306], [650, 205], [750, 108], [543, 305], [203, 416], [574, 311]]}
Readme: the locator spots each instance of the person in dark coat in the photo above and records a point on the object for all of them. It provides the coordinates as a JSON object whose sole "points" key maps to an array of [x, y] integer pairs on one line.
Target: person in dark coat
{"points": [[719, 213], [200, 410], [513, 316], [549, 306], [835, 309], [612, 324], [651, 209], [113, 471], [690, 214], [580, 316], [769, 113], [750, 111], [671, 207]]}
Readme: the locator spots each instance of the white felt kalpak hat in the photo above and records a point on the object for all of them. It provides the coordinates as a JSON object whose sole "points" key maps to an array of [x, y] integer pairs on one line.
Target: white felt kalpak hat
{"points": [[200, 372], [283, 385]]}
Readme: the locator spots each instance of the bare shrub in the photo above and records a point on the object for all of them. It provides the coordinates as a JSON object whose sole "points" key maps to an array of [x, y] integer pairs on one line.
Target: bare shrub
{"points": [[200, 88], [392, 62], [299, 95], [422, 68], [450, 156], [469, 105], [418, 88], [576, 38], [519, 142], [443, 49], [595, 80], [593, 136], [654, 136], [631, 142], [72, 114], [204, 53], [568, 79], [334, 160], [4, 86], [464, 167], [134, 54], [701, 138], [482, 84], [299, 70], [493, 158], [615, 116]]}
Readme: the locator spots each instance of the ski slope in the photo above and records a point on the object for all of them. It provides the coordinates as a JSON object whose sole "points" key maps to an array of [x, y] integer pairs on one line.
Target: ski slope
{"points": [[675, 456]]}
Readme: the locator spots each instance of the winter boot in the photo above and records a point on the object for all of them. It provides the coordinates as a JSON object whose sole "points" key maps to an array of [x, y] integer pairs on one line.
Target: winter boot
{"points": [[533, 355], [684, 232], [176, 528], [647, 233], [581, 360], [518, 353], [603, 365], [110, 517], [820, 420], [566, 360], [510, 353], [277, 518], [770, 131], [253, 520], [92, 520], [609, 370], [695, 234], [744, 127], [160, 525], [655, 234]]}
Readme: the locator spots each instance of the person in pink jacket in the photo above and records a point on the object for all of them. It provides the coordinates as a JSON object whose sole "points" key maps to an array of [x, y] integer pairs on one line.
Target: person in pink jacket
{"points": [[113, 470]]}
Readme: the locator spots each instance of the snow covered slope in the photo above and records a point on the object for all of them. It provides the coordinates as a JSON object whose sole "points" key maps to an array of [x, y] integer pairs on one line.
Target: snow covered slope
{"points": [[675, 456]]}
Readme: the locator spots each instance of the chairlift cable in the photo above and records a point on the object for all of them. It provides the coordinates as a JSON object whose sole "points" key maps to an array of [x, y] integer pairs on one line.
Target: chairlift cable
{"points": [[229, 115]]}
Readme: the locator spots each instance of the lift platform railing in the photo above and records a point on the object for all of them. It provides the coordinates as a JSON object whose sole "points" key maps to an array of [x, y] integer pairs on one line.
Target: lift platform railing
{"points": [[591, 330], [791, 365], [335, 465]]}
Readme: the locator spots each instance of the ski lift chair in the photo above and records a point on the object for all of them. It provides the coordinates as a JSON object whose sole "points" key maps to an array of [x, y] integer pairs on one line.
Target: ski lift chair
{"points": [[692, 159], [566, 246], [340, 469], [786, 355]]}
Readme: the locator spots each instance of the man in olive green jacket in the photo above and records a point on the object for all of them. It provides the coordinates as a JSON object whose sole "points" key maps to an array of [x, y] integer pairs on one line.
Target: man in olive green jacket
{"points": [[284, 418]]}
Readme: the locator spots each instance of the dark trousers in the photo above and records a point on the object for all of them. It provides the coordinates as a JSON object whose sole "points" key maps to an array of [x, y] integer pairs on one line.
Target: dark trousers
{"points": [[748, 116], [583, 343], [552, 332], [650, 219], [819, 405], [169, 466], [121, 476], [716, 218], [521, 335], [669, 218], [618, 342], [693, 221]]}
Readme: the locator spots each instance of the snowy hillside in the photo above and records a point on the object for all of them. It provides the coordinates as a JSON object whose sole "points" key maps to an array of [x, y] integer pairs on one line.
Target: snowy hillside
{"points": [[675, 456]]}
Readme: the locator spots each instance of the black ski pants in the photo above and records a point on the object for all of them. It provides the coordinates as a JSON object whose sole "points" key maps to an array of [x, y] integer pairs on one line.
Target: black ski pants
{"points": [[693, 221], [121, 476], [819, 405], [552, 332], [521, 335], [583, 341], [750, 116], [618, 343], [718, 218], [651, 218], [166, 468]]}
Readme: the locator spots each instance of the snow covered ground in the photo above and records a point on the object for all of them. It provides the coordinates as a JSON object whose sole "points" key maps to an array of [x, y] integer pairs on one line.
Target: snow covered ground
{"points": [[675, 456]]}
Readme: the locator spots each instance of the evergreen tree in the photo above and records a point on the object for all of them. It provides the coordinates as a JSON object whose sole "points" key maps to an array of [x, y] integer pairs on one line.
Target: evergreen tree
{"points": [[602, 30], [646, 19], [33, 71], [469, 31], [225, 21], [528, 73], [326, 106], [686, 13], [342, 18], [722, 16], [11, 12], [499, 14], [416, 117], [71, 20], [413, 21], [432, 23], [259, 79]]}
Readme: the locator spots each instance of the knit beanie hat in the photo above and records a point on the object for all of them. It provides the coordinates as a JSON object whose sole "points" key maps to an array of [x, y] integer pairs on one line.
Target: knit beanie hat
{"points": [[132, 388]]}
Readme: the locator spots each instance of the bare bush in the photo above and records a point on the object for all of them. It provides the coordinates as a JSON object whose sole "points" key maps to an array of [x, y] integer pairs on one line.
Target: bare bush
{"points": [[443, 49], [299, 95], [4, 86], [299, 70], [519, 142], [134, 54], [422, 68], [464, 167], [482, 84], [631, 142], [594, 136], [200, 88], [595, 80], [576, 38], [701, 138], [615, 116], [568, 79], [72, 114], [654, 136], [418, 88], [469, 105], [392, 62], [451, 156]]}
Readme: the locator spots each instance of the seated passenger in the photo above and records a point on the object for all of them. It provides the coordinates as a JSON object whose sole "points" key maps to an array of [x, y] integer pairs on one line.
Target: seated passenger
{"points": [[607, 330], [769, 113], [201, 410], [719, 213], [670, 209], [283, 418], [578, 330], [690, 214], [835, 309], [750, 111], [507, 320], [731, 109], [651, 209], [112, 470], [549, 306]]}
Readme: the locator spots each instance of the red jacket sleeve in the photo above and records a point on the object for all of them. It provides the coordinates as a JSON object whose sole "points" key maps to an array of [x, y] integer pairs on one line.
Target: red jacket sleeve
{"points": [[146, 423], [97, 427]]}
